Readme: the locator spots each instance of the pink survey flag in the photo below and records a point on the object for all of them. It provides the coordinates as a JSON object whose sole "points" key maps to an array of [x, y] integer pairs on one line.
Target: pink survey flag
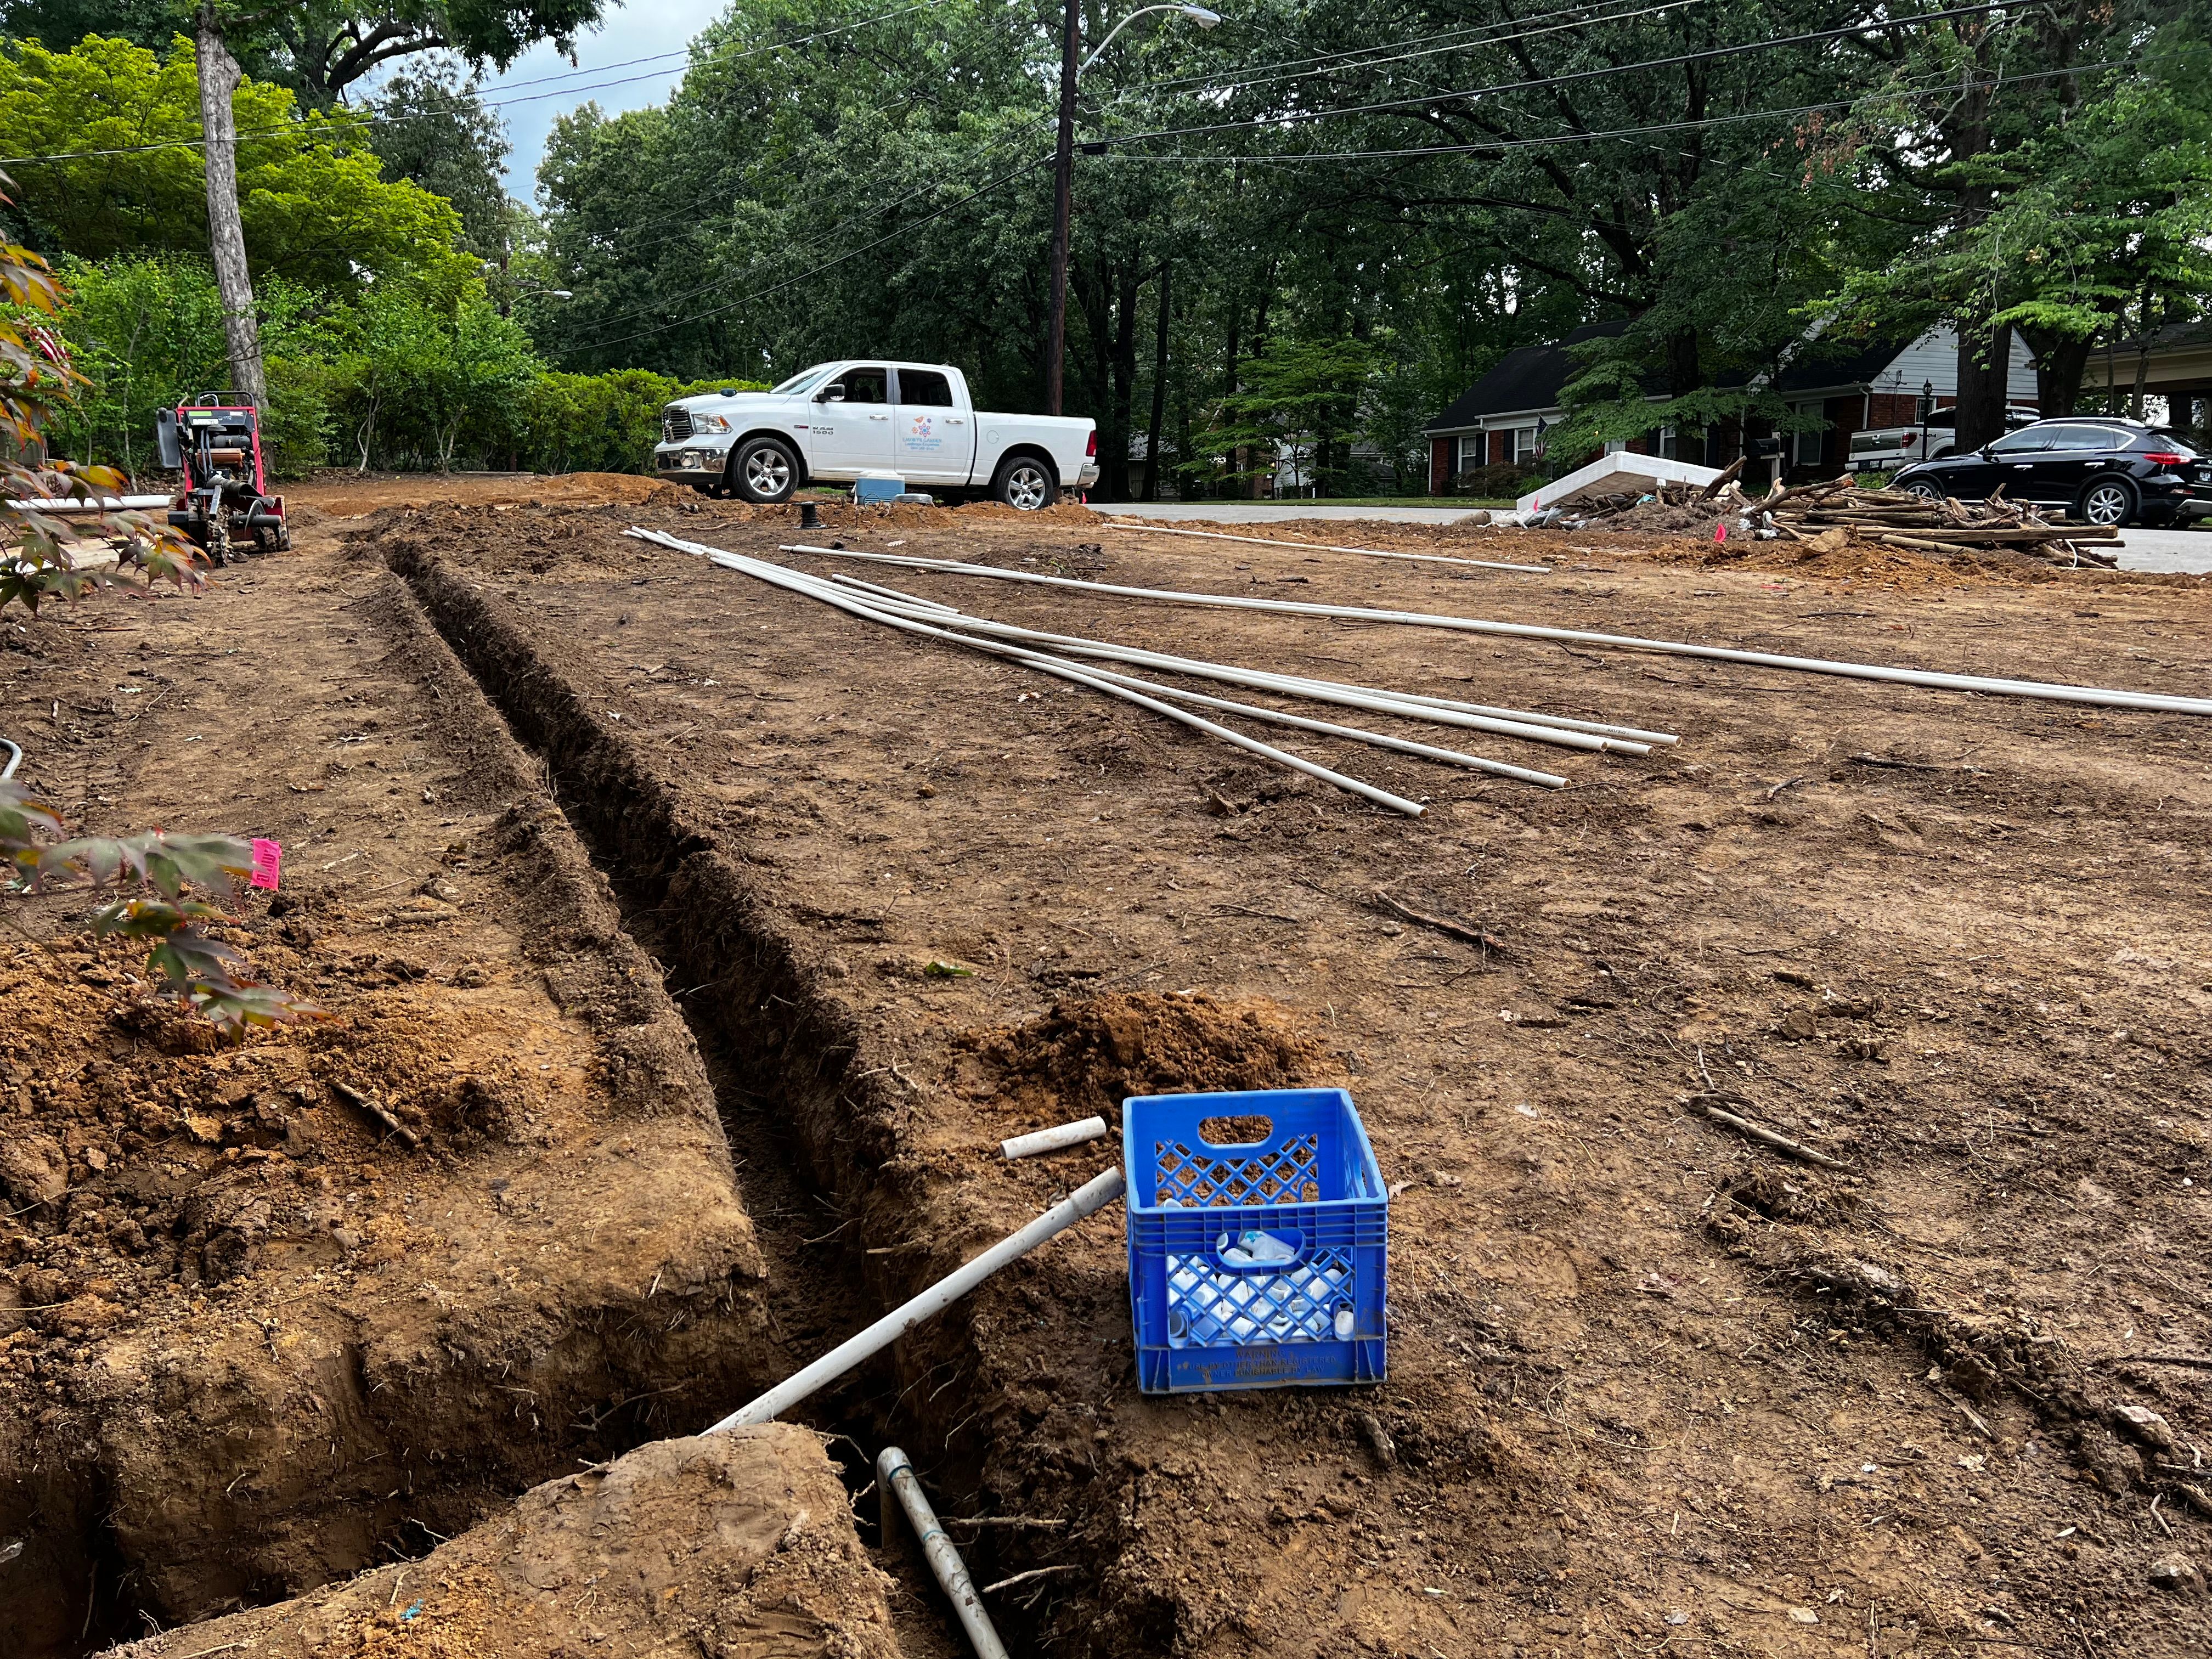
{"points": [[268, 856]]}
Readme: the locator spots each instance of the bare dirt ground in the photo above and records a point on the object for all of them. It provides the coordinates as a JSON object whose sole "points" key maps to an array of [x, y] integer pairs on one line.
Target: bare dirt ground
{"points": [[249, 1337], [737, 1544], [1653, 1387]]}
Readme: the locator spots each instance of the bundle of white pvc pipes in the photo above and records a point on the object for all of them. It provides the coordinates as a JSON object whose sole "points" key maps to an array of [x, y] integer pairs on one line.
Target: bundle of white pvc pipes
{"points": [[929, 618], [2099, 697], [1332, 547]]}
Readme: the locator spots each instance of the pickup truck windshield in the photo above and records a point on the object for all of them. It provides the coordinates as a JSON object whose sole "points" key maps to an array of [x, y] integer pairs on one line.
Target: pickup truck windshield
{"points": [[802, 382]]}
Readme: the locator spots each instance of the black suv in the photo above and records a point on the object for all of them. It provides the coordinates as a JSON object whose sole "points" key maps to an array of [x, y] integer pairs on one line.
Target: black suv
{"points": [[2105, 470]]}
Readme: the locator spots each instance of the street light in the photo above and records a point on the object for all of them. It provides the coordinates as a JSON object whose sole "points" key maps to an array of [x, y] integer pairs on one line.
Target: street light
{"points": [[1198, 14], [1064, 171]]}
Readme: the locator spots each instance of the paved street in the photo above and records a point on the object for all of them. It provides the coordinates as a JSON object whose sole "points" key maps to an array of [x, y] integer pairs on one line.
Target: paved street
{"points": [[2167, 550], [2187, 551]]}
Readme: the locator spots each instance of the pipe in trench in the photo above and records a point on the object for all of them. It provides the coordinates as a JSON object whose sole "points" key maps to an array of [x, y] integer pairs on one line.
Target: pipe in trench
{"points": [[1092, 1196], [2098, 697], [898, 1478], [1051, 1139]]}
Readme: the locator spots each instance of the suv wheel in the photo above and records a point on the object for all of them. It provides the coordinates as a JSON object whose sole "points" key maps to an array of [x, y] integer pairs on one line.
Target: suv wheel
{"points": [[1024, 484], [2107, 502], [764, 471], [1922, 489]]}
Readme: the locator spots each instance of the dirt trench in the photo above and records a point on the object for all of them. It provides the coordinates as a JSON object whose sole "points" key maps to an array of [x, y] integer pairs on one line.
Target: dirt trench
{"points": [[850, 1226]]}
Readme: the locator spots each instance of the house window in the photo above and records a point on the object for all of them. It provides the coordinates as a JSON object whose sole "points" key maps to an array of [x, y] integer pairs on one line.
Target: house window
{"points": [[1810, 445], [1670, 443], [1471, 452], [1524, 445]]}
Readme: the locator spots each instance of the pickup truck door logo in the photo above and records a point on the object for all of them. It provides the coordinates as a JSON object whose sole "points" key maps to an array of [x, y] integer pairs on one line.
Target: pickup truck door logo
{"points": [[919, 437]]}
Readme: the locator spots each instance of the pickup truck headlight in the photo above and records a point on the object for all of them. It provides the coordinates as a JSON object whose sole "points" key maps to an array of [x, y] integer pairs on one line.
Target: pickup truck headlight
{"points": [[709, 423]]}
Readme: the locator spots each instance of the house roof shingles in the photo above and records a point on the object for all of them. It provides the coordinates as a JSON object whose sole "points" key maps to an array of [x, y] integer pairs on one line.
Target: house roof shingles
{"points": [[1525, 377]]}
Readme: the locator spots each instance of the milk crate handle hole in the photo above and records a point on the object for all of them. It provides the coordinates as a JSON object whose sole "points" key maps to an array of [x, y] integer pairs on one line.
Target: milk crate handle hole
{"points": [[1228, 1132]]}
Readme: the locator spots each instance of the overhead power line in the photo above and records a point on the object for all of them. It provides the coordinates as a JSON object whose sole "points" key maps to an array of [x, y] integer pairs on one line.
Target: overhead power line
{"points": [[1578, 17], [1488, 145], [1427, 101]]}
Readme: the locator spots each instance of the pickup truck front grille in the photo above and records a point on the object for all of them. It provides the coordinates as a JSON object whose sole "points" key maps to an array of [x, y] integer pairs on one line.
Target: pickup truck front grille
{"points": [[675, 425]]}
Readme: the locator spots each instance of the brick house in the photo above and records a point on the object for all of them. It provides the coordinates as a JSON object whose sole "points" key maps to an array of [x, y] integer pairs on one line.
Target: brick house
{"points": [[1503, 416]]}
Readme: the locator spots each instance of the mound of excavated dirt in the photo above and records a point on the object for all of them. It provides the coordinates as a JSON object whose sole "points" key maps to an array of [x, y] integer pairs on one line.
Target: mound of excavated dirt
{"points": [[347, 496], [1085, 1056], [737, 1545], [140, 1154]]}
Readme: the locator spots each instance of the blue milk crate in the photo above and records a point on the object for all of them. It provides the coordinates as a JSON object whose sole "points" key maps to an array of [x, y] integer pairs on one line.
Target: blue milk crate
{"points": [[1204, 1323]]}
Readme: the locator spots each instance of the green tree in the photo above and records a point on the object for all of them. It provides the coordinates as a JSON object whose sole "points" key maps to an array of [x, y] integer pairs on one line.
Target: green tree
{"points": [[1299, 401], [434, 130], [316, 206]]}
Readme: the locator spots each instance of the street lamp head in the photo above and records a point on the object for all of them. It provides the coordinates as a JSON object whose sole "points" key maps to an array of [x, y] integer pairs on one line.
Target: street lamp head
{"points": [[1201, 16], [559, 294]]}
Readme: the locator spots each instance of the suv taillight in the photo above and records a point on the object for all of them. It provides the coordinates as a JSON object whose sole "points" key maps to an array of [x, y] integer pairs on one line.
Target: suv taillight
{"points": [[1091, 449], [2164, 458]]}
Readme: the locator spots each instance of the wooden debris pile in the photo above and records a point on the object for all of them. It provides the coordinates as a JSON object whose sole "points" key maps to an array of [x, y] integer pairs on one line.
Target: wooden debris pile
{"points": [[1830, 517], [1833, 516]]}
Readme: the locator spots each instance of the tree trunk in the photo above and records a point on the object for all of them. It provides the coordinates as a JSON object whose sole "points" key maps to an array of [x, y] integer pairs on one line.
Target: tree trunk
{"points": [[1152, 489], [219, 77], [1115, 477], [1262, 458], [2060, 363], [1984, 371], [1684, 374]]}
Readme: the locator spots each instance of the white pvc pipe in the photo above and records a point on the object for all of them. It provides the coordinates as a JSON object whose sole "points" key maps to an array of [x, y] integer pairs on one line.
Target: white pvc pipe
{"points": [[897, 1477], [1403, 745], [2099, 697], [1094, 677], [849, 580], [63, 504], [1092, 1196], [1506, 722], [1329, 547], [1051, 1139], [831, 593], [1375, 702]]}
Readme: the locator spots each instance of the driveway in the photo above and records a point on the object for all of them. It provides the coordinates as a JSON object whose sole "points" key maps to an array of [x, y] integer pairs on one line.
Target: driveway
{"points": [[2189, 551]]}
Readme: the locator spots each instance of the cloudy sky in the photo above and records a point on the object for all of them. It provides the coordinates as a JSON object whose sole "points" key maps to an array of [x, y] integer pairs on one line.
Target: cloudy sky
{"points": [[528, 100]]}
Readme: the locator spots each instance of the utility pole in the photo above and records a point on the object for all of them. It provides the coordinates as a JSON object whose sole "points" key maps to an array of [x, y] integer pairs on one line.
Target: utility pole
{"points": [[1063, 189]]}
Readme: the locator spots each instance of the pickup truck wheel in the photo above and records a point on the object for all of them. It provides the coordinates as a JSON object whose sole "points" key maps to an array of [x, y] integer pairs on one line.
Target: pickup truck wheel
{"points": [[764, 471], [1025, 483]]}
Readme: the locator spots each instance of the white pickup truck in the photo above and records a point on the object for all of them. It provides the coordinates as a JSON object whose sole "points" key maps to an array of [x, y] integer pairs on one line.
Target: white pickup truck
{"points": [[834, 422]]}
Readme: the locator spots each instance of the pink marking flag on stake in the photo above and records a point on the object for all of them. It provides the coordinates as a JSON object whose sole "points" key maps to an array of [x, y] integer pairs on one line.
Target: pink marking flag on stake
{"points": [[1720, 532], [268, 856]]}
